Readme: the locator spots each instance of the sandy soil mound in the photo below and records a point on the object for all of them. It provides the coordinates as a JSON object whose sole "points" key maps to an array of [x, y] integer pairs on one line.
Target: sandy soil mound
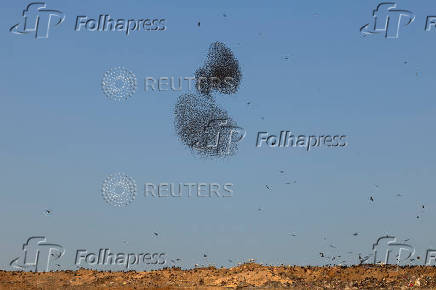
{"points": [[247, 275]]}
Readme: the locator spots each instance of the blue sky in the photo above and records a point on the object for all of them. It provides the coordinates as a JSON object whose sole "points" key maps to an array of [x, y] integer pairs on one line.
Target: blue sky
{"points": [[60, 136]]}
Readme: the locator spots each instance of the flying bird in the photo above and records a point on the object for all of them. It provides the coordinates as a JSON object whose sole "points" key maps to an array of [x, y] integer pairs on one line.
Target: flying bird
{"points": [[363, 260]]}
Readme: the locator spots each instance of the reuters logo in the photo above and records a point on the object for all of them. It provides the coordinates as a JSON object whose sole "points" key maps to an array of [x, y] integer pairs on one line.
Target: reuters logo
{"points": [[119, 84], [119, 189]]}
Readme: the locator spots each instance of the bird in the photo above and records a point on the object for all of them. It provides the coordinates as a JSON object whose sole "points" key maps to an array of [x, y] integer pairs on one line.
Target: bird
{"points": [[371, 198], [321, 254], [156, 234], [362, 260], [47, 212], [282, 171], [198, 24], [267, 187], [355, 234]]}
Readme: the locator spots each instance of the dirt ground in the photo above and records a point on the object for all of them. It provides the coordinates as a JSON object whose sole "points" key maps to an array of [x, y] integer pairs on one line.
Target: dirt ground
{"points": [[248, 275]]}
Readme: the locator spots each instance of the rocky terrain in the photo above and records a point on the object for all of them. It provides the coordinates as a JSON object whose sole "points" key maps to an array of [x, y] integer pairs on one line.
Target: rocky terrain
{"points": [[249, 275]]}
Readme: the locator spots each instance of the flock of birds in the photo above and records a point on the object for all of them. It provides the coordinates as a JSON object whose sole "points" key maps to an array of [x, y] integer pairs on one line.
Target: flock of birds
{"points": [[331, 258]]}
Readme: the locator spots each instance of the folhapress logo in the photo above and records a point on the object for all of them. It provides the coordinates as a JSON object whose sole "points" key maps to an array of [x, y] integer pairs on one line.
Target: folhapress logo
{"points": [[37, 255], [219, 137], [38, 19], [388, 250], [388, 20]]}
